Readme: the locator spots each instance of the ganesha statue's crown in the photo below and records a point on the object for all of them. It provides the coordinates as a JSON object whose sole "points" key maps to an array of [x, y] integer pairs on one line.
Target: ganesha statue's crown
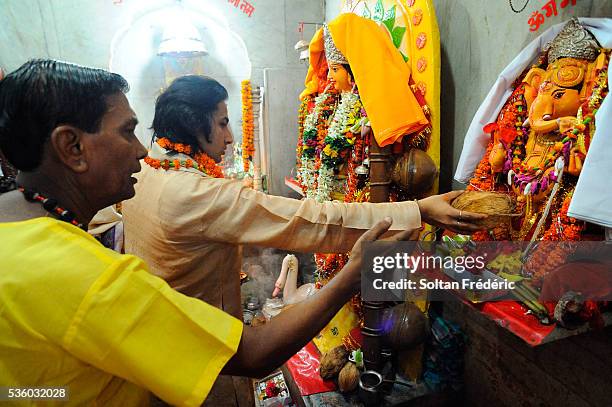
{"points": [[574, 41], [332, 54]]}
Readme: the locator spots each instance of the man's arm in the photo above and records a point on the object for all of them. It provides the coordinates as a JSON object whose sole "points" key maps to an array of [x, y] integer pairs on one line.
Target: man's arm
{"points": [[228, 212], [266, 347]]}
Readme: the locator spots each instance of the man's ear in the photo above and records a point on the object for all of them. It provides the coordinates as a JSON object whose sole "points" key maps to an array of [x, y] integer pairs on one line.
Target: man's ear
{"points": [[67, 143]]}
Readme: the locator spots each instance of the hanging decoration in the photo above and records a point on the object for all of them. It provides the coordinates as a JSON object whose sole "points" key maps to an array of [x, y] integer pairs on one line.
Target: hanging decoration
{"points": [[248, 149]]}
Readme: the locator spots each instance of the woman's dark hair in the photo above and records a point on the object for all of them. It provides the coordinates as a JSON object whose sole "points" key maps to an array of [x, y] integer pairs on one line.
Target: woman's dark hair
{"points": [[43, 94], [186, 109]]}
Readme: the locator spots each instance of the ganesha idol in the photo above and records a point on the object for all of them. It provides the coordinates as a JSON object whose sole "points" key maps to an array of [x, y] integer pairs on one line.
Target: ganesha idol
{"points": [[542, 135]]}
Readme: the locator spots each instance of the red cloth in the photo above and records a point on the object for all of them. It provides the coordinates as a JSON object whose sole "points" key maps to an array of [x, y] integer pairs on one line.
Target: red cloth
{"points": [[512, 316], [304, 368], [592, 280]]}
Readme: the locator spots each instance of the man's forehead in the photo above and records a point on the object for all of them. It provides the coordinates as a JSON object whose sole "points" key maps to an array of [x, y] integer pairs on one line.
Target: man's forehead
{"points": [[118, 108]]}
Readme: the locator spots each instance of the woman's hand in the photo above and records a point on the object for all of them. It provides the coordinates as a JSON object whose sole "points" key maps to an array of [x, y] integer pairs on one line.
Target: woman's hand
{"points": [[436, 210]]}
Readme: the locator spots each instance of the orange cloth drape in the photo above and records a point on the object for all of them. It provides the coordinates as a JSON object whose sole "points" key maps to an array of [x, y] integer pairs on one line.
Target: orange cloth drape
{"points": [[380, 72], [317, 58]]}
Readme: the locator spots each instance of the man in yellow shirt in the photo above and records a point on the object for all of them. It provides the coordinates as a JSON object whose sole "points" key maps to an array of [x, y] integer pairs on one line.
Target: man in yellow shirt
{"points": [[75, 314]]}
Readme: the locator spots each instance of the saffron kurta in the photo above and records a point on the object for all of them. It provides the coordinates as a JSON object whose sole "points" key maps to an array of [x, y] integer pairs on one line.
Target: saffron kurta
{"points": [[189, 227]]}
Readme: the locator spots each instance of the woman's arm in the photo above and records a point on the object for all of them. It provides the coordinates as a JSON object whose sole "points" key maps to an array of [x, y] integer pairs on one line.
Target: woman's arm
{"points": [[228, 212]]}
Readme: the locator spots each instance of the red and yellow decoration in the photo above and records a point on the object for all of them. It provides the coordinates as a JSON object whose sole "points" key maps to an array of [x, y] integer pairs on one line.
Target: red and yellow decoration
{"points": [[248, 149], [562, 228], [302, 113], [201, 161]]}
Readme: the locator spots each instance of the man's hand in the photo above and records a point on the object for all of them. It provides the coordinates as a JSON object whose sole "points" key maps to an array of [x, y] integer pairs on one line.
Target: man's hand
{"points": [[266, 347], [354, 265], [436, 210]]}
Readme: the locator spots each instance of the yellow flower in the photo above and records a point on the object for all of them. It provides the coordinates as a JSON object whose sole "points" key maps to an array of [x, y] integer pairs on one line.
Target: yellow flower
{"points": [[330, 152]]}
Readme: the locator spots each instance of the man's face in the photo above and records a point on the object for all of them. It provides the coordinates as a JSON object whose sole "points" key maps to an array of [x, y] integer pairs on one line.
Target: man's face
{"points": [[113, 153], [220, 134]]}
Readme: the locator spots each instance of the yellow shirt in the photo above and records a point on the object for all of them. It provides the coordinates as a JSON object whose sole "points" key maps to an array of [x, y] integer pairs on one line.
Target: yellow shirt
{"points": [[75, 314]]}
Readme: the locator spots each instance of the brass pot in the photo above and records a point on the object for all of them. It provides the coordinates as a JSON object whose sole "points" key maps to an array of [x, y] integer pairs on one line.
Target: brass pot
{"points": [[405, 326], [415, 172]]}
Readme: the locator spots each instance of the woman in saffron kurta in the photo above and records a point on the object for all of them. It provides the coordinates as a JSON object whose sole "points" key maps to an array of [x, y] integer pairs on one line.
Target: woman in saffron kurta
{"points": [[189, 223]]}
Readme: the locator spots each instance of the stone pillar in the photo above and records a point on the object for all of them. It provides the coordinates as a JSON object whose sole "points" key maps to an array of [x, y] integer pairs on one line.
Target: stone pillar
{"points": [[257, 94]]}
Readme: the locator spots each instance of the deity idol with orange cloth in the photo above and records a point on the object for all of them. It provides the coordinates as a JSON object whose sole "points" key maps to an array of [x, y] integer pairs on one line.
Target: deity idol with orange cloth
{"points": [[362, 83], [358, 85]]}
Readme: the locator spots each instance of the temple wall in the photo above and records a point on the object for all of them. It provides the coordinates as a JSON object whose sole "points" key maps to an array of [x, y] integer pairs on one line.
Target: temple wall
{"points": [[82, 32], [478, 39], [477, 42]]}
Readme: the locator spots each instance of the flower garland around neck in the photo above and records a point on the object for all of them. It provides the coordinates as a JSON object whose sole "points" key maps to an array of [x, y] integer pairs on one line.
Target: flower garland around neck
{"points": [[315, 130], [248, 148], [340, 138], [201, 161]]}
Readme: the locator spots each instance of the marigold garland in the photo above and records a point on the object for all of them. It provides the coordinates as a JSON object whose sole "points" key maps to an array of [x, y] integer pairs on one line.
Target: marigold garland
{"points": [[356, 183], [328, 265], [315, 131], [201, 161], [482, 180], [248, 149], [562, 228], [165, 143], [302, 113]]}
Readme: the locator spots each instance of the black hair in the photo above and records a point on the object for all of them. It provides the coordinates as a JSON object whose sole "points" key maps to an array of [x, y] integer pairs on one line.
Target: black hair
{"points": [[185, 109], [44, 94], [349, 70]]}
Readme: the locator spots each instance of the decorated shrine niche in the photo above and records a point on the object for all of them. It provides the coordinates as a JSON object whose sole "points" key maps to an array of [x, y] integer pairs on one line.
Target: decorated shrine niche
{"points": [[536, 154], [542, 135], [369, 130]]}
